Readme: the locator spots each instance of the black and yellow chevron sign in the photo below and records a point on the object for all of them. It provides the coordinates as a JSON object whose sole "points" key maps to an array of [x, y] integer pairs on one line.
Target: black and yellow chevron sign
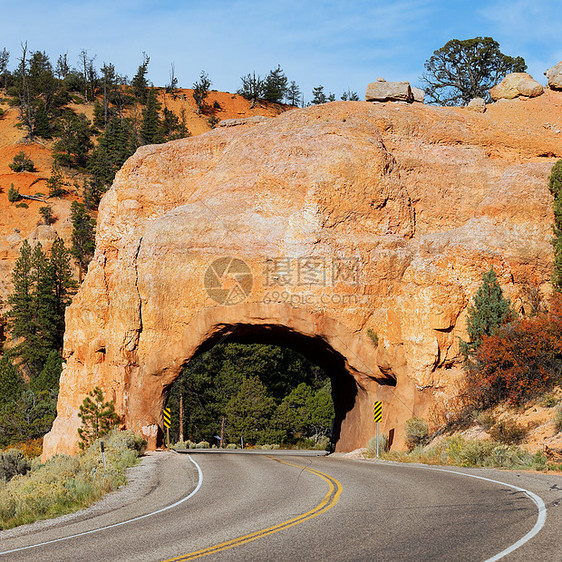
{"points": [[378, 411], [167, 416]]}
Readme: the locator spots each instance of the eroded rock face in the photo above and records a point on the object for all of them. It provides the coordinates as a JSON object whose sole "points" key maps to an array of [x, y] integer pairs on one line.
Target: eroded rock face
{"points": [[346, 220]]}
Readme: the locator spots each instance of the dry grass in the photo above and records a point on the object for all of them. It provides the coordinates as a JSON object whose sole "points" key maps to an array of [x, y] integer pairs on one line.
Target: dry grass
{"points": [[65, 484], [457, 451]]}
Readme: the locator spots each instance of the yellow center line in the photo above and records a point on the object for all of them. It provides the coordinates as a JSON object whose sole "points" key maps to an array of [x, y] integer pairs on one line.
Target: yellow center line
{"points": [[328, 501]]}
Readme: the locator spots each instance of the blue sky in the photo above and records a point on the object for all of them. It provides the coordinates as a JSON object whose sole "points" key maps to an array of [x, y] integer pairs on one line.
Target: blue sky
{"points": [[339, 44]]}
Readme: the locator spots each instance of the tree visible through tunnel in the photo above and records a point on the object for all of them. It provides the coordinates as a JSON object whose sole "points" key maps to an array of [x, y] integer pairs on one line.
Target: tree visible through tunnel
{"points": [[255, 392]]}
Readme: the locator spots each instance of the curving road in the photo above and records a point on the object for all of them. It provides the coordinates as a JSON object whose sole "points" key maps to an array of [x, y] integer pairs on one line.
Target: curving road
{"points": [[301, 507]]}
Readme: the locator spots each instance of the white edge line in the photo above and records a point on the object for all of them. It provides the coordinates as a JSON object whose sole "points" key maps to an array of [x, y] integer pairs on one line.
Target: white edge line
{"points": [[539, 524], [199, 483]]}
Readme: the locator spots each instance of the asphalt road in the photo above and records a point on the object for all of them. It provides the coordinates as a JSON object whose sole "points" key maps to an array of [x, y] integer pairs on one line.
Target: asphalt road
{"points": [[291, 508]]}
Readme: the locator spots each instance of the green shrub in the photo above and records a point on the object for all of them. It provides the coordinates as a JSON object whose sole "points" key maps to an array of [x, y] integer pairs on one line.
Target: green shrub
{"points": [[22, 205], [372, 445], [202, 445], [508, 432], [22, 163], [12, 462], [417, 432], [231, 446], [65, 484]]}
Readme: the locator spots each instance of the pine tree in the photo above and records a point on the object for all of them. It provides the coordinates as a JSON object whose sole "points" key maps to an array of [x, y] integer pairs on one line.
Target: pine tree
{"points": [[42, 289], [275, 85], [252, 88], [83, 236], [139, 83], [172, 127], [201, 90], [293, 94], [98, 417], [150, 129], [22, 321], [48, 379], [117, 143], [99, 115], [41, 124], [249, 412], [490, 309], [318, 95], [349, 95], [4, 72], [555, 186], [56, 182], [63, 286], [74, 141], [12, 384]]}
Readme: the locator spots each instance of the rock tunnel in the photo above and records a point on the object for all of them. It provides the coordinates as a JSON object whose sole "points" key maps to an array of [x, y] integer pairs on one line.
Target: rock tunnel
{"points": [[309, 230]]}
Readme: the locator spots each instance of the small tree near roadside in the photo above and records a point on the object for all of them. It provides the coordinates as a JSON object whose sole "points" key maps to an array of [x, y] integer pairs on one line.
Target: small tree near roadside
{"points": [[98, 417]]}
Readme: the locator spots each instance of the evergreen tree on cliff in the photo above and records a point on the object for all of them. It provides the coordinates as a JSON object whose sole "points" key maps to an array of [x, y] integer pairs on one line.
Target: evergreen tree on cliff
{"points": [[139, 82], [201, 90], [318, 95], [275, 85], [489, 310], [151, 130], [83, 236], [252, 88], [462, 70], [555, 186]]}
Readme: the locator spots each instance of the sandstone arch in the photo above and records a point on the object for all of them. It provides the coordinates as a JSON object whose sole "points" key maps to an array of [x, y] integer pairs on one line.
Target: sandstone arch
{"points": [[317, 336], [401, 208]]}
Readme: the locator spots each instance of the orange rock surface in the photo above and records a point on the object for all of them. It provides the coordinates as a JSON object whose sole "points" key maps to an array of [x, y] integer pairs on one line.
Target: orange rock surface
{"points": [[352, 219]]}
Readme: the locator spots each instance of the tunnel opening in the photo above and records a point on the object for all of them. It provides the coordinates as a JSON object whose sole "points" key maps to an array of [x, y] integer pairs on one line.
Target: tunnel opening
{"points": [[316, 353]]}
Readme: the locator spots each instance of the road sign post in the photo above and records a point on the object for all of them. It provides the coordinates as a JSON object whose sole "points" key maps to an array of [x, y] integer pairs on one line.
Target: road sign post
{"points": [[167, 417], [377, 412]]}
